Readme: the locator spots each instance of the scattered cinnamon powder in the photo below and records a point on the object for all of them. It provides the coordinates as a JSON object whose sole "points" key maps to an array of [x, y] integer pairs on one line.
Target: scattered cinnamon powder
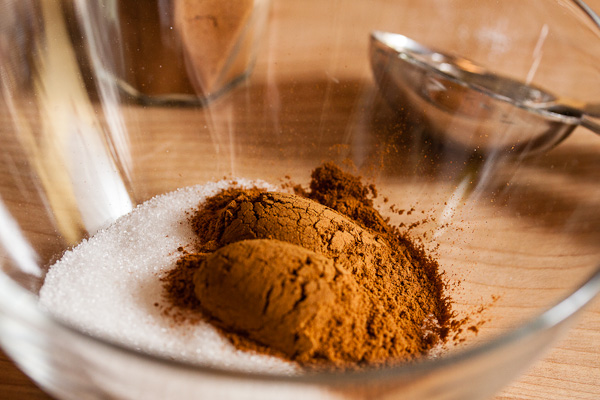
{"points": [[318, 277]]}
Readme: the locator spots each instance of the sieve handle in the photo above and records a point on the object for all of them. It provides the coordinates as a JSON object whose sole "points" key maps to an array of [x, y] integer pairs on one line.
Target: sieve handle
{"points": [[592, 110], [588, 123]]}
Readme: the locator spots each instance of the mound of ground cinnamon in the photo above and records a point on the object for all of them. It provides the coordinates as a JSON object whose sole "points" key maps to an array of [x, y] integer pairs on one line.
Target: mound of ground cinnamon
{"points": [[318, 277], [287, 297]]}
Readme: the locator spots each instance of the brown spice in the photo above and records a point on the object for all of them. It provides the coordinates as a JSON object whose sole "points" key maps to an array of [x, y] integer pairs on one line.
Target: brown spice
{"points": [[327, 283], [184, 46], [177, 281], [211, 32], [287, 297]]}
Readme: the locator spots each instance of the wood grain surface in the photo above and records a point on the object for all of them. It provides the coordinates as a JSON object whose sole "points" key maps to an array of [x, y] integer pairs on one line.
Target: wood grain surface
{"points": [[570, 370]]}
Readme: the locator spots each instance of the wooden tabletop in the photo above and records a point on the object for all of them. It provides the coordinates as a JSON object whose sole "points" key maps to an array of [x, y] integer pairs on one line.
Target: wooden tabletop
{"points": [[570, 370]]}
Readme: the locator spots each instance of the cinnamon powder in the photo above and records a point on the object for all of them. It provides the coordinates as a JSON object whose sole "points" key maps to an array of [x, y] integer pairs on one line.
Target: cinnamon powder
{"points": [[318, 277]]}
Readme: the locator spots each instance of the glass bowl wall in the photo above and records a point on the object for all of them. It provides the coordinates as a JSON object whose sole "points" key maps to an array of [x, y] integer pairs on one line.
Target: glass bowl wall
{"points": [[520, 234]]}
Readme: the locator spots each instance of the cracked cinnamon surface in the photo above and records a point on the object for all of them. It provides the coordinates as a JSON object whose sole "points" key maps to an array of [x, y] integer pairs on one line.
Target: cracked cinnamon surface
{"points": [[315, 285], [286, 297]]}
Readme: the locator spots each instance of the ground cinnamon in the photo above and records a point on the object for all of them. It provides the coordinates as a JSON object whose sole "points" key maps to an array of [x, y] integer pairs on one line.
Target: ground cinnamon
{"points": [[184, 49], [318, 277]]}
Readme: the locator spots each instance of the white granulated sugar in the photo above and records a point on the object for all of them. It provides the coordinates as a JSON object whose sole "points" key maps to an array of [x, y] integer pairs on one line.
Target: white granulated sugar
{"points": [[108, 285]]}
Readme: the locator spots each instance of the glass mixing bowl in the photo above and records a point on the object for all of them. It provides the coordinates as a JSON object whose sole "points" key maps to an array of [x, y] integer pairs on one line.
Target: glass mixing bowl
{"points": [[289, 87]]}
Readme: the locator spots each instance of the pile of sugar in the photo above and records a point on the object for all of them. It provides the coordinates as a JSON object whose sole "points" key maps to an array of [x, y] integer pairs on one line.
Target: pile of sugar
{"points": [[109, 285]]}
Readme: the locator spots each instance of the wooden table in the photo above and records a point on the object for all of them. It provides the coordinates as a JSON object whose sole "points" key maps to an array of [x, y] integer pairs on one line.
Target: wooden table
{"points": [[570, 370]]}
